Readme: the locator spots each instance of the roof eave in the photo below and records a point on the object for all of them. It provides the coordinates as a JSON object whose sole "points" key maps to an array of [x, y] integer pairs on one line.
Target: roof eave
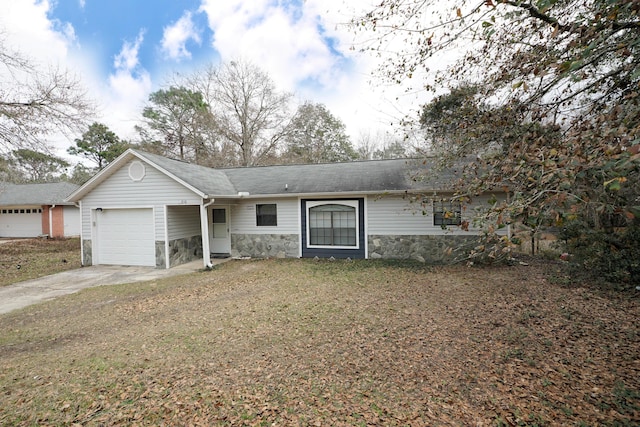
{"points": [[125, 157], [325, 194], [98, 178]]}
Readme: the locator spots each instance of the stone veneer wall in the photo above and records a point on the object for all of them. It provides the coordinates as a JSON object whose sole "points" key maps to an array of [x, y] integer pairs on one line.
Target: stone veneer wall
{"points": [[87, 253], [185, 250], [160, 258], [431, 249], [265, 245], [180, 251]]}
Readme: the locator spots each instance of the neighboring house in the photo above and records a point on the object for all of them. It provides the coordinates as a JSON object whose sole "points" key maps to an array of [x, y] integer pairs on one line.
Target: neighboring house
{"points": [[38, 210], [145, 209]]}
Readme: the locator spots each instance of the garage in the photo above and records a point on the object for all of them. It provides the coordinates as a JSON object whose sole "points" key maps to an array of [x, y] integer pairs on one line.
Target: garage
{"points": [[125, 237], [21, 222]]}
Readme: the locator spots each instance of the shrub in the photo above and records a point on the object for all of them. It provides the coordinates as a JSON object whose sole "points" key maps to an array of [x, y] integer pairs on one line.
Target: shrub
{"points": [[613, 255]]}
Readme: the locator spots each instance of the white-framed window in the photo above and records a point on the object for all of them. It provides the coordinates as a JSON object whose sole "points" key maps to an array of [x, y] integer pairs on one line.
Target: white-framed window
{"points": [[266, 215], [333, 224], [447, 212]]}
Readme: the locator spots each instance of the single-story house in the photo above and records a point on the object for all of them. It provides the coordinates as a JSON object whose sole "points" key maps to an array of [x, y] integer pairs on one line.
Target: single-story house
{"points": [[38, 210], [145, 209]]}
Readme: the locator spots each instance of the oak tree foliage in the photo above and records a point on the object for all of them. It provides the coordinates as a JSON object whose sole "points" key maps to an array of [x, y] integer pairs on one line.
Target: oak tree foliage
{"points": [[543, 100]]}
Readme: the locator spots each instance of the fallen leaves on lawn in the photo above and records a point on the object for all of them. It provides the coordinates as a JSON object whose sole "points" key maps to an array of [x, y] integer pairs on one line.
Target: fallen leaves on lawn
{"points": [[26, 259], [294, 342]]}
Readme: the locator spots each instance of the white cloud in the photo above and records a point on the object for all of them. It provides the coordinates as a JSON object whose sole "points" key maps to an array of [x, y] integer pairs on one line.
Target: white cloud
{"points": [[306, 48], [176, 36], [39, 39], [127, 59], [129, 87], [288, 43]]}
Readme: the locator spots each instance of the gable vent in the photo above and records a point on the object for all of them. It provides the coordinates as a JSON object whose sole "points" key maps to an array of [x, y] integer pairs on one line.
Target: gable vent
{"points": [[136, 171]]}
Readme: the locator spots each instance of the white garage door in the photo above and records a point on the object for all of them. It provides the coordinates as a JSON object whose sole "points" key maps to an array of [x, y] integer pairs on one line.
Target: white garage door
{"points": [[21, 222], [125, 237]]}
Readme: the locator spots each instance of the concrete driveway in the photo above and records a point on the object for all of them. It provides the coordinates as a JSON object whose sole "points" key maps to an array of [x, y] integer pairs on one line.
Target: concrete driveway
{"points": [[22, 294]]}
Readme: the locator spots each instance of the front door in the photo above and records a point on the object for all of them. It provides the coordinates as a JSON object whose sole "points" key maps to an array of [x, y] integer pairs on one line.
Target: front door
{"points": [[219, 242]]}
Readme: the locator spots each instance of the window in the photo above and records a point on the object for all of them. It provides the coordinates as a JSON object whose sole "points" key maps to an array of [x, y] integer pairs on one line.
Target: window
{"points": [[447, 212], [332, 225], [266, 215], [219, 216]]}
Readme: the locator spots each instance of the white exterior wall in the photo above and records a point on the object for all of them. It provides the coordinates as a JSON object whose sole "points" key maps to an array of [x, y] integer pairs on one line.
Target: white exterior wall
{"points": [[71, 217], [393, 215], [155, 190], [184, 221], [243, 217], [21, 224], [388, 215]]}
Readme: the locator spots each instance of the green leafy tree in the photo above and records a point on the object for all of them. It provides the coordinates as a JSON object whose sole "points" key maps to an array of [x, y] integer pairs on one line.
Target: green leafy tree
{"points": [[176, 122], [98, 144], [317, 136], [37, 167], [544, 100], [80, 174]]}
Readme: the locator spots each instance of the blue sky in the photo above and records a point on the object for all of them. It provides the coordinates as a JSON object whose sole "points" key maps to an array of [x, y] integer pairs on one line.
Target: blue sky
{"points": [[122, 50], [105, 27]]}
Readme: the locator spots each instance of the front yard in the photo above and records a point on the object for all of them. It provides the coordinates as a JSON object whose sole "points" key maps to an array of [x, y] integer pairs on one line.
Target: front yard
{"points": [[299, 342], [26, 259]]}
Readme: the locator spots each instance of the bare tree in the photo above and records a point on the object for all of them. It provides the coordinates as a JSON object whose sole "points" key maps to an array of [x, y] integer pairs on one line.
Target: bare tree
{"points": [[249, 113], [36, 103], [383, 145]]}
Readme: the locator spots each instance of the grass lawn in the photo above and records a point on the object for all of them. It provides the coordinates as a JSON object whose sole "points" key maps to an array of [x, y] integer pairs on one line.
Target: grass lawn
{"points": [[26, 259], [299, 342]]}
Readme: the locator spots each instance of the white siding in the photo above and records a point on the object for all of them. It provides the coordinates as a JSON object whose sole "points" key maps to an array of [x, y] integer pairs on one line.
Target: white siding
{"points": [[243, 217], [120, 191], [71, 217], [183, 221], [393, 215]]}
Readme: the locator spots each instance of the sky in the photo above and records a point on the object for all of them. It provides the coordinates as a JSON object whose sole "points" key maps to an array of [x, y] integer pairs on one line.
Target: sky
{"points": [[123, 50]]}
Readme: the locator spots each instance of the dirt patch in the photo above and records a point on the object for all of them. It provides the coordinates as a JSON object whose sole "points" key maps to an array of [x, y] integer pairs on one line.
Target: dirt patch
{"points": [[293, 342], [31, 258]]}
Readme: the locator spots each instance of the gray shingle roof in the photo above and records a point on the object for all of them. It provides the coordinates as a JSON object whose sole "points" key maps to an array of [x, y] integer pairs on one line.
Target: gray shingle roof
{"points": [[207, 180], [362, 176], [375, 176], [36, 194], [365, 176]]}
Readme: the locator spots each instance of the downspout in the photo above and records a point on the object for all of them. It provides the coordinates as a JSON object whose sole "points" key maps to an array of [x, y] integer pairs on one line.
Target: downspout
{"points": [[204, 227], [79, 206], [51, 220]]}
